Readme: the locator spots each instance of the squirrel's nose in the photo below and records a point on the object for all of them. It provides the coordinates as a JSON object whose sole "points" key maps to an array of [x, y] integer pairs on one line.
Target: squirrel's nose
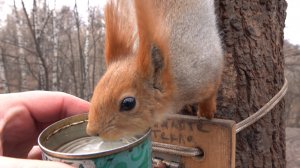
{"points": [[91, 131]]}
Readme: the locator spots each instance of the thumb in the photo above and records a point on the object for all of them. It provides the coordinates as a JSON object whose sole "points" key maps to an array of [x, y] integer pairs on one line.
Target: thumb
{"points": [[35, 153], [7, 162]]}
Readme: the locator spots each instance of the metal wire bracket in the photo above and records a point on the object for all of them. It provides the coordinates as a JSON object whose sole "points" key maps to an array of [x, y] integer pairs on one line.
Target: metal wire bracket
{"points": [[264, 110], [193, 152]]}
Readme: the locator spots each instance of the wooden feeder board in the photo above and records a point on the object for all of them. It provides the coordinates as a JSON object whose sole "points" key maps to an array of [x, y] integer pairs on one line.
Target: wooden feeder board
{"points": [[215, 137]]}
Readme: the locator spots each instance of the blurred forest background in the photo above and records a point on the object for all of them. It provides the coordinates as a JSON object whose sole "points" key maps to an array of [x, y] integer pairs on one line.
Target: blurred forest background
{"points": [[54, 49], [292, 73], [49, 49]]}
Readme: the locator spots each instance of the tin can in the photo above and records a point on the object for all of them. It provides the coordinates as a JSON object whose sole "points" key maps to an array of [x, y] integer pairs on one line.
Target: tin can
{"points": [[131, 155]]}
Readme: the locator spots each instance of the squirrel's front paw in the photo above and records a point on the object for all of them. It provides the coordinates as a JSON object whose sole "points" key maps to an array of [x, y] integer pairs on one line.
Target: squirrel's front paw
{"points": [[207, 108], [208, 115]]}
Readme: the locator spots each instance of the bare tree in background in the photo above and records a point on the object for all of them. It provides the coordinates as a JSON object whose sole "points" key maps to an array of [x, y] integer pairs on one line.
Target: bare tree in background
{"points": [[86, 55], [55, 50], [37, 30], [10, 43], [3, 72], [292, 73], [97, 38], [20, 51], [52, 49], [82, 59]]}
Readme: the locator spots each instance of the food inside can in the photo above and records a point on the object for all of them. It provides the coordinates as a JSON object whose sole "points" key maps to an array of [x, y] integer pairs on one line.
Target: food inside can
{"points": [[92, 144], [66, 141]]}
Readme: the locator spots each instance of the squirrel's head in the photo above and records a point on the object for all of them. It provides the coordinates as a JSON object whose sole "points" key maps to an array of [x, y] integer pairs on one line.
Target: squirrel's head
{"points": [[129, 98], [137, 87]]}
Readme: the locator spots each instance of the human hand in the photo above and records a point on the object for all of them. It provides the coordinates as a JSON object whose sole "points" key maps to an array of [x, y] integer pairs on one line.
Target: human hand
{"points": [[23, 116]]}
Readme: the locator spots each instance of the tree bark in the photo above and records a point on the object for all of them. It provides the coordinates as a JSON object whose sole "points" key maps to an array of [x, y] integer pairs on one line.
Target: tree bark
{"points": [[21, 57], [82, 82], [4, 87], [55, 52], [252, 33], [73, 66], [92, 26]]}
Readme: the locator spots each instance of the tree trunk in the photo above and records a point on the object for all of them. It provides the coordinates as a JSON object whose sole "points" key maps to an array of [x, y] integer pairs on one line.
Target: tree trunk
{"points": [[73, 66], [86, 63], [55, 53], [21, 57], [81, 54], [35, 30], [4, 88], [92, 21], [252, 33], [87, 56]]}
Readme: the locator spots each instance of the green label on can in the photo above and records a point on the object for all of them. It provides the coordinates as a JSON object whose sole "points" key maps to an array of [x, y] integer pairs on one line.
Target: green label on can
{"points": [[139, 156]]}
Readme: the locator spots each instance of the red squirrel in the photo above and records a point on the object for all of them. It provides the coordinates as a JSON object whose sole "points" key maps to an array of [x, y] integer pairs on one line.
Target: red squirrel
{"points": [[160, 56]]}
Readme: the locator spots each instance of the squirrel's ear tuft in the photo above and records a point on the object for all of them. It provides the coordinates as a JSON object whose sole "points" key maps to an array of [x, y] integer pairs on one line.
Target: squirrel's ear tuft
{"points": [[153, 48], [120, 29]]}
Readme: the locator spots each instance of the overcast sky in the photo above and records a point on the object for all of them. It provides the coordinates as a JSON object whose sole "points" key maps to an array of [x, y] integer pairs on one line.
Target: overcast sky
{"points": [[292, 22], [6, 5], [292, 29]]}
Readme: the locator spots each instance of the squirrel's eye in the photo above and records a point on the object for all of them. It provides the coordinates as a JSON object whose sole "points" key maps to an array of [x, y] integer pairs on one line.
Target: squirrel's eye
{"points": [[128, 103]]}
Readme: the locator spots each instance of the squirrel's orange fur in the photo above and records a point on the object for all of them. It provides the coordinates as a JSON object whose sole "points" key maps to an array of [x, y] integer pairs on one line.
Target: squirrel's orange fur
{"points": [[153, 30], [129, 73], [154, 54], [119, 27]]}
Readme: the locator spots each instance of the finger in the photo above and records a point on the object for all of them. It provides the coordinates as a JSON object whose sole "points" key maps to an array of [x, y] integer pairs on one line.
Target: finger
{"points": [[20, 163], [1, 136], [47, 106], [35, 153]]}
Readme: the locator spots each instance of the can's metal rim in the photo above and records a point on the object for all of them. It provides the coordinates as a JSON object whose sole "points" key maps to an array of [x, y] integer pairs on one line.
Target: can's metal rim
{"points": [[83, 118]]}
